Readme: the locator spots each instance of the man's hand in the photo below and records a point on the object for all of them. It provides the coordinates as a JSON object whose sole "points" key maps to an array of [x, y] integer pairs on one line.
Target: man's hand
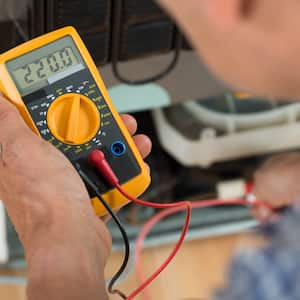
{"points": [[277, 183], [66, 245]]}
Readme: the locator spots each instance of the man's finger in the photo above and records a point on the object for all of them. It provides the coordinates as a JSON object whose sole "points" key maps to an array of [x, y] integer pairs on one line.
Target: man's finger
{"points": [[130, 123], [262, 213], [144, 144]]}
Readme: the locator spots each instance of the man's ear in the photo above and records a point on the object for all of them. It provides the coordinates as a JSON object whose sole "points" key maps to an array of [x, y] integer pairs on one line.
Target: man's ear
{"points": [[225, 14]]}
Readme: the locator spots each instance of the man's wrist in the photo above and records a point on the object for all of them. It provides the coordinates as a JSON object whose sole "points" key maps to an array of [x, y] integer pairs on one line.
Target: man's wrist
{"points": [[32, 216], [36, 219]]}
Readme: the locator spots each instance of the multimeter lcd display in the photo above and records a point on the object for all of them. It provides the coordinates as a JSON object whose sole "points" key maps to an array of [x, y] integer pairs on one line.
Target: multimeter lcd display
{"points": [[45, 65]]}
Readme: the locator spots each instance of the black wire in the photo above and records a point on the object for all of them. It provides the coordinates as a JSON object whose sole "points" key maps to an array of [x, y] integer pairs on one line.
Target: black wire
{"points": [[116, 33], [117, 276]]}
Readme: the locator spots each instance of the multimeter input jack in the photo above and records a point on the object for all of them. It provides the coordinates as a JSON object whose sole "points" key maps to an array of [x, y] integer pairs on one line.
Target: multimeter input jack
{"points": [[118, 148]]}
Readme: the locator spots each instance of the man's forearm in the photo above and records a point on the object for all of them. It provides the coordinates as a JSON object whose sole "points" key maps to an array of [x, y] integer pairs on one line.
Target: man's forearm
{"points": [[66, 258]]}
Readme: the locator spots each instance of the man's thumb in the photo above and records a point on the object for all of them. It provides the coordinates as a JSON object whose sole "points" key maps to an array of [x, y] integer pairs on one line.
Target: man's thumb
{"points": [[11, 121]]}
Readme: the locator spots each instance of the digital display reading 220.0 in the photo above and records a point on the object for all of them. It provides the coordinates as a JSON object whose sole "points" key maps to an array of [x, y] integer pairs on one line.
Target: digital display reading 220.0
{"points": [[45, 67]]}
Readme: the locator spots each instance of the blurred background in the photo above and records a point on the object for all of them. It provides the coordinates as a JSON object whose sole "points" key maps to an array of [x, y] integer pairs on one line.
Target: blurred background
{"points": [[207, 138]]}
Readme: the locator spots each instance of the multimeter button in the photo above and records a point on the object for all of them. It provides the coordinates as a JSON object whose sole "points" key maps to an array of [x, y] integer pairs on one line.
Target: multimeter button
{"points": [[73, 119]]}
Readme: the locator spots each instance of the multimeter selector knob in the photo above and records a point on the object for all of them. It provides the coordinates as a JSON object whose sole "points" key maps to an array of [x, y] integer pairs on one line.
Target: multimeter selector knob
{"points": [[73, 119]]}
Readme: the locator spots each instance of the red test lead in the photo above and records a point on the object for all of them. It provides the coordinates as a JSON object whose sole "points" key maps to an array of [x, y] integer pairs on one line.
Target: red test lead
{"points": [[98, 160]]}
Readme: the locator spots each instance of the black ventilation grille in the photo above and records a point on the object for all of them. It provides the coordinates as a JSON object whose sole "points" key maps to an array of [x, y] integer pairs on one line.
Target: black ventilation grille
{"points": [[146, 39], [135, 11], [145, 29], [87, 15], [90, 17]]}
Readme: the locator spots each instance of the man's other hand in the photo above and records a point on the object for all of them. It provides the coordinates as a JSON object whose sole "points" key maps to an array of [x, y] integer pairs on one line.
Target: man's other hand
{"points": [[277, 183]]}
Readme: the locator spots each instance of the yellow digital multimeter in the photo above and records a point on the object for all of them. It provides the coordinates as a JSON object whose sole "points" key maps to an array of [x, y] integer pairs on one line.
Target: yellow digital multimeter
{"points": [[58, 90]]}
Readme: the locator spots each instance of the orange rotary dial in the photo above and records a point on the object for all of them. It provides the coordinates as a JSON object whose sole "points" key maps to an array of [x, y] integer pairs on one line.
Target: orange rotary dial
{"points": [[73, 119]]}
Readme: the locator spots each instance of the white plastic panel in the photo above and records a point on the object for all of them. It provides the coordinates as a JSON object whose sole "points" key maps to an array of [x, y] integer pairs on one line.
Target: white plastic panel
{"points": [[210, 148]]}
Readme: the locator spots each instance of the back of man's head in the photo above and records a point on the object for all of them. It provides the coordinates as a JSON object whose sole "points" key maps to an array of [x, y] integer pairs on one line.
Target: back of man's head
{"points": [[253, 45]]}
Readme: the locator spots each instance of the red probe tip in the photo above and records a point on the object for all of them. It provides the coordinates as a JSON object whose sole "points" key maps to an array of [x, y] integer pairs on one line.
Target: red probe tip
{"points": [[97, 159]]}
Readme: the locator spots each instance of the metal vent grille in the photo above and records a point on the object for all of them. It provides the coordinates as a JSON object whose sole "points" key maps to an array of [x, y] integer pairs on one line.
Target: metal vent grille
{"points": [[145, 29], [90, 17]]}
